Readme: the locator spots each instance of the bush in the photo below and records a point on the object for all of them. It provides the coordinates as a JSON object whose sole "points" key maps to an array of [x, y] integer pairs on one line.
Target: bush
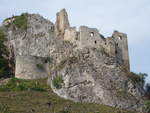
{"points": [[5, 70], [19, 21], [147, 91], [138, 77], [57, 82], [147, 107]]}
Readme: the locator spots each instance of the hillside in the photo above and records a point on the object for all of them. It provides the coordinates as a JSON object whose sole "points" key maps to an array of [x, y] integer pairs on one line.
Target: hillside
{"points": [[17, 99]]}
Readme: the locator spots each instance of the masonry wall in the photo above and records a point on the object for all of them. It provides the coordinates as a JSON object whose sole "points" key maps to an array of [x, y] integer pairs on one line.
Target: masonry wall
{"points": [[90, 37], [30, 67], [122, 52]]}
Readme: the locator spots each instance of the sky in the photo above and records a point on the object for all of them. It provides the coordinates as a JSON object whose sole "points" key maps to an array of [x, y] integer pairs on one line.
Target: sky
{"points": [[128, 16]]}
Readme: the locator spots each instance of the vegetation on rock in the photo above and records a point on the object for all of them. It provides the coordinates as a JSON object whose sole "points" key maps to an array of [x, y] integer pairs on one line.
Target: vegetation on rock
{"points": [[19, 21], [138, 77], [57, 82]]}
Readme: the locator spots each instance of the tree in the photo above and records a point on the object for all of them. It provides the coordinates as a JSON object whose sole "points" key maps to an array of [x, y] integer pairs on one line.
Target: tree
{"points": [[4, 53]]}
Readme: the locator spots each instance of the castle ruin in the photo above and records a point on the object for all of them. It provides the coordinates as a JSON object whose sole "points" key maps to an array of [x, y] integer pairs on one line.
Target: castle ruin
{"points": [[116, 45], [32, 46]]}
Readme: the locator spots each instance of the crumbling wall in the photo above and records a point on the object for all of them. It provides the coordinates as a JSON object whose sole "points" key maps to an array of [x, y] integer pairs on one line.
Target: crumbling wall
{"points": [[62, 23], [90, 37], [122, 52], [30, 67], [71, 35]]}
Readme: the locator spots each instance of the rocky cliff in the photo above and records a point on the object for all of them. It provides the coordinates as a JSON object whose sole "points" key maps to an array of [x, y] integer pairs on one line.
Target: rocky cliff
{"points": [[88, 74]]}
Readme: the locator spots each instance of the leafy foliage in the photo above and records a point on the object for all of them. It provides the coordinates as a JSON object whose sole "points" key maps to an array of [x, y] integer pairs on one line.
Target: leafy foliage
{"points": [[147, 106], [57, 82], [138, 77], [19, 21], [147, 91], [4, 63]]}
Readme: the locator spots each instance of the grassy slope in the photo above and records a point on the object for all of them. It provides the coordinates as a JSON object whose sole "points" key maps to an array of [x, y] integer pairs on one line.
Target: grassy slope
{"points": [[36, 100]]}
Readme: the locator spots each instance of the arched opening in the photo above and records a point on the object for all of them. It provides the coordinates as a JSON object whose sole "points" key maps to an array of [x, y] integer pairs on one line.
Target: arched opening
{"points": [[92, 34], [95, 41]]}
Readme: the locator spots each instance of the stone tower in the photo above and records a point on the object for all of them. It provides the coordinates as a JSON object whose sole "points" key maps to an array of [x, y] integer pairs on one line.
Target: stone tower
{"points": [[62, 23], [121, 48]]}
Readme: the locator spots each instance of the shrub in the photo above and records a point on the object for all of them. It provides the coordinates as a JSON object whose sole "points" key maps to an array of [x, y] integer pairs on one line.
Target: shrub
{"points": [[147, 91], [57, 82], [5, 70], [19, 21], [147, 106], [138, 78]]}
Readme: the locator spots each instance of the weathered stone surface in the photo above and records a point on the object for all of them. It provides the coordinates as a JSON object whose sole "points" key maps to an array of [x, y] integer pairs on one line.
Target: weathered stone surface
{"points": [[90, 75], [62, 23], [29, 67], [35, 39]]}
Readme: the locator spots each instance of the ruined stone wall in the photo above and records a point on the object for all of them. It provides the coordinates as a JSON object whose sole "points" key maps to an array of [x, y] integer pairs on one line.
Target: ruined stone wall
{"points": [[90, 37], [122, 52], [30, 67], [62, 23], [71, 35]]}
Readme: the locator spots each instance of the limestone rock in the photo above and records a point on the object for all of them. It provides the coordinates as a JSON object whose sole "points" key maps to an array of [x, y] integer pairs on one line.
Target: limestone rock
{"points": [[35, 39], [92, 76]]}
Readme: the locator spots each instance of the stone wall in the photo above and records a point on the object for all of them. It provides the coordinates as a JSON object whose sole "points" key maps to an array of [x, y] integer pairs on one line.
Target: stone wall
{"points": [[62, 23], [122, 52], [30, 67], [90, 37]]}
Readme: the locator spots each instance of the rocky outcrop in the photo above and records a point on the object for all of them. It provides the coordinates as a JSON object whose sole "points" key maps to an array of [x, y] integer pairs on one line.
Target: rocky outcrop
{"points": [[90, 75], [33, 40]]}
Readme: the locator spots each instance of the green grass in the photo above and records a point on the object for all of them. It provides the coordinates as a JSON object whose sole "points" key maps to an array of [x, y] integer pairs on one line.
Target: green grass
{"points": [[31, 101], [24, 85], [19, 21]]}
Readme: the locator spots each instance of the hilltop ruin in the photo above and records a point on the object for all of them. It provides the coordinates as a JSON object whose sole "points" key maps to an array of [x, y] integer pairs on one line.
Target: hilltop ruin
{"points": [[82, 66]]}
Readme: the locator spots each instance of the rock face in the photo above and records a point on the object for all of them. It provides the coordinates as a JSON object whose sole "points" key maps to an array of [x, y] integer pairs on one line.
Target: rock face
{"points": [[91, 76], [35, 39], [84, 66]]}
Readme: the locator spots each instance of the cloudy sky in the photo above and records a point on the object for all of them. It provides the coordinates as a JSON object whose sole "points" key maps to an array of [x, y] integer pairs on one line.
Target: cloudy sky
{"points": [[129, 16]]}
